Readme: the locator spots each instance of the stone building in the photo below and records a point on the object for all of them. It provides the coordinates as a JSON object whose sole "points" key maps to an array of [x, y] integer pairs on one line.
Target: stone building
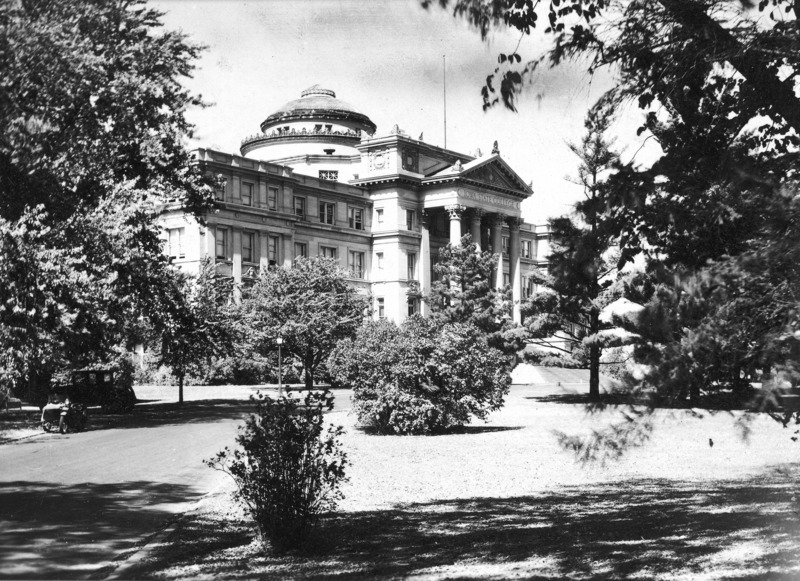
{"points": [[319, 180]]}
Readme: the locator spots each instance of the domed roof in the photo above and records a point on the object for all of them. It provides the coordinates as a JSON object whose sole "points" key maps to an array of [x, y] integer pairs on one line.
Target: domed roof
{"points": [[318, 103]]}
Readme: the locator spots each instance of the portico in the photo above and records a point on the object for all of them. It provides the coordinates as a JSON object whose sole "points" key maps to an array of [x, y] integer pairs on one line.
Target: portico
{"points": [[480, 197]]}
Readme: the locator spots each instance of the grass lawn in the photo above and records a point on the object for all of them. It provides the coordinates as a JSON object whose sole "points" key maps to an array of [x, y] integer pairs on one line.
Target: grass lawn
{"points": [[18, 424], [502, 500]]}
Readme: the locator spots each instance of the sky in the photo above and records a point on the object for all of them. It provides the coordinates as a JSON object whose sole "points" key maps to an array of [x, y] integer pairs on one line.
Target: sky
{"points": [[385, 57]]}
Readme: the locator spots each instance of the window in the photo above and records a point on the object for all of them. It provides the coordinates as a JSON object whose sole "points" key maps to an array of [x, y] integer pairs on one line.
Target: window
{"points": [[327, 252], [327, 212], [379, 260], [409, 219], [272, 250], [505, 244], [412, 266], [412, 306], [506, 278], [356, 218], [529, 287], [328, 174], [272, 198], [220, 193], [175, 244], [356, 264], [247, 247], [247, 194], [379, 215], [300, 250], [526, 249], [299, 207], [222, 243], [381, 308]]}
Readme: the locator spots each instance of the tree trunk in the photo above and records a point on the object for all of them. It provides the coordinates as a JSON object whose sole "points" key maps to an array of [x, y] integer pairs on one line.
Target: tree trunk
{"points": [[594, 359], [180, 388], [309, 370], [770, 90]]}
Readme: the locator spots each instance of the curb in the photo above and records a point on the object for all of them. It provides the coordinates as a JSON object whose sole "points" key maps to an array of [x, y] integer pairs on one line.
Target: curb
{"points": [[128, 560], [28, 437]]}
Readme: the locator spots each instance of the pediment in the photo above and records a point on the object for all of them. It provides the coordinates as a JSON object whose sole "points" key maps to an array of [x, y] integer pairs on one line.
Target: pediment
{"points": [[494, 173], [490, 176]]}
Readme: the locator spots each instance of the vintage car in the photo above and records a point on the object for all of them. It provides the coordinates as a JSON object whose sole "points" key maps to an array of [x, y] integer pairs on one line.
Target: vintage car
{"points": [[101, 387]]}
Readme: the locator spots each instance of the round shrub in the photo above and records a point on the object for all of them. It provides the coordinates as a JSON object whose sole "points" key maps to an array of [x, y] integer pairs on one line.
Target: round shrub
{"points": [[421, 377]]}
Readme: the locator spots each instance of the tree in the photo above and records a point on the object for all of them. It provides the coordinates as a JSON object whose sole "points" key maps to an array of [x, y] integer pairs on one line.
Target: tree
{"points": [[564, 317], [423, 377], [93, 122], [310, 305], [717, 83], [199, 323], [463, 292], [610, 32]]}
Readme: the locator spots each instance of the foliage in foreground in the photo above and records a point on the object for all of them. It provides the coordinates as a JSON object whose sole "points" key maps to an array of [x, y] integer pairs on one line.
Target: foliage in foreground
{"points": [[287, 469], [422, 377], [93, 125]]}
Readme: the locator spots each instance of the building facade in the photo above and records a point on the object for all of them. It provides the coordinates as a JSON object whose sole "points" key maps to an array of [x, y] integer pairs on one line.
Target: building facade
{"points": [[319, 181]]}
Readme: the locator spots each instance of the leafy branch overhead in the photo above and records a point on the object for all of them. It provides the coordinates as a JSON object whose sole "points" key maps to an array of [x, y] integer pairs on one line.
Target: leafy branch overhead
{"points": [[638, 42], [92, 131]]}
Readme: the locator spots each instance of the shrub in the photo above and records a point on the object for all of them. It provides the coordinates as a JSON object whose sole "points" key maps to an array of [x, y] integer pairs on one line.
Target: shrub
{"points": [[422, 377], [287, 469], [252, 369]]}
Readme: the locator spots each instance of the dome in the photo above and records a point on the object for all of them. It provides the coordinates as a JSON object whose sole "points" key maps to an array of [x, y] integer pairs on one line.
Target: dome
{"points": [[318, 103]]}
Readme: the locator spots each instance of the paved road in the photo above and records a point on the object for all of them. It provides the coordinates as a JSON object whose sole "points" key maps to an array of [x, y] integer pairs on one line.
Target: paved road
{"points": [[70, 503]]}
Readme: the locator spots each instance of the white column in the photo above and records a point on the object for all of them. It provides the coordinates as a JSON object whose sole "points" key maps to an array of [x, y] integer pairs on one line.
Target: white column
{"points": [[236, 241], [455, 212], [497, 248], [263, 251], [288, 250], [211, 242], [425, 261], [475, 228], [514, 267]]}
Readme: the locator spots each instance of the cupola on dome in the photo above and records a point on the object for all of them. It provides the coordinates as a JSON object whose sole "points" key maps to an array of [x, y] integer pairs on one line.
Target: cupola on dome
{"points": [[317, 119], [318, 103]]}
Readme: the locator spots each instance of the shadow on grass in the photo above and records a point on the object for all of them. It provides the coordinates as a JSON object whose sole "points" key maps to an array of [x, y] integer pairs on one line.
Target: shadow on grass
{"points": [[710, 404], [459, 430], [636, 529], [50, 531]]}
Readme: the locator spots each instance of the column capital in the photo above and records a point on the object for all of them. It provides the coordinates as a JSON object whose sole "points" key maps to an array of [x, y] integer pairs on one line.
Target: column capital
{"points": [[476, 214], [497, 220], [455, 211], [514, 223]]}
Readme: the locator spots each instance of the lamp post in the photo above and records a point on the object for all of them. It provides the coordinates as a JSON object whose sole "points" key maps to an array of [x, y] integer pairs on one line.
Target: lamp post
{"points": [[279, 341]]}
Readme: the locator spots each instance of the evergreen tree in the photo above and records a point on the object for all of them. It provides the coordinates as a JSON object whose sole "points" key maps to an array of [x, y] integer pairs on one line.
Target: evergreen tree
{"points": [[564, 317], [463, 292]]}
